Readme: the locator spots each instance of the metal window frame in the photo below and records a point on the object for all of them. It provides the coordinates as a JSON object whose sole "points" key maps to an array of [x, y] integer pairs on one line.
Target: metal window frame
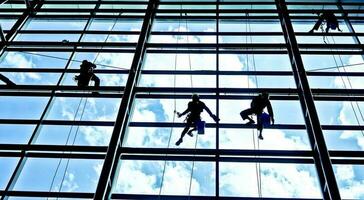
{"points": [[130, 92]]}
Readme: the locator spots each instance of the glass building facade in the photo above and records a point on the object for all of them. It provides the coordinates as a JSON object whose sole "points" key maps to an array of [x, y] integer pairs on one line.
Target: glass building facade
{"points": [[151, 56]]}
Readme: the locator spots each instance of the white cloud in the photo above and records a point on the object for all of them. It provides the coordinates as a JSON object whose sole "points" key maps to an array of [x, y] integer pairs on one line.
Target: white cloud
{"points": [[18, 60], [351, 111], [69, 183], [350, 188]]}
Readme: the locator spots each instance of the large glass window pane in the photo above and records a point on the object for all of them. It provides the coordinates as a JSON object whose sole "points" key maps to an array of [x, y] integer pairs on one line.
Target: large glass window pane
{"points": [[55, 24], [248, 139], [350, 180], [15, 134], [287, 180], [59, 175], [74, 135], [22, 107], [179, 178], [254, 62], [340, 113], [160, 61], [7, 166], [86, 109]]}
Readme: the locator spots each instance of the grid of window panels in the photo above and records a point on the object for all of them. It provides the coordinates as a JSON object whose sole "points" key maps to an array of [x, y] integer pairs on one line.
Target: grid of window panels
{"points": [[151, 56]]}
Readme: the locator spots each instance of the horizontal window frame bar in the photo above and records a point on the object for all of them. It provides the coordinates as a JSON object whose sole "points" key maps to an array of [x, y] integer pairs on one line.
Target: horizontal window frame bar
{"points": [[184, 72], [170, 124], [177, 96]]}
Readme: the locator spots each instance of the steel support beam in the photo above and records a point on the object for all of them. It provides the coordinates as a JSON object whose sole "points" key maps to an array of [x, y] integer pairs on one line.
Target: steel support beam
{"points": [[2, 35], [108, 173], [323, 164], [6, 80]]}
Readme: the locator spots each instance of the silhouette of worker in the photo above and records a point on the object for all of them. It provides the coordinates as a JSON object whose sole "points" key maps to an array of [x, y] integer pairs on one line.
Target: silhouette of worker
{"points": [[256, 107], [331, 21], [194, 110], [6, 80], [87, 74]]}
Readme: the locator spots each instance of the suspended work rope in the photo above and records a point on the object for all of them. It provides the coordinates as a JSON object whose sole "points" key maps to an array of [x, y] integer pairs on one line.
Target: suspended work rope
{"points": [[114, 67], [348, 89], [73, 60], [77, 129], [190, 68], [254, 132], [67, 140], [174, 111]]}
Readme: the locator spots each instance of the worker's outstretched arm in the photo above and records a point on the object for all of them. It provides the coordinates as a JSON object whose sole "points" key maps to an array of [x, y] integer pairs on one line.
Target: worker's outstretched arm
{"points": [[270, 111], [210, 113], [184, 112]]}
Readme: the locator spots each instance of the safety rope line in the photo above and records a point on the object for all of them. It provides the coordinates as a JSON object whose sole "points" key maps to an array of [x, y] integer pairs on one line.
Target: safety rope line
{"points": [[68, 137], [73, 142], [114, 67], [77, 129], [174, 110], [189, 55], [192, 169], [350, 87], [257, 86], [257, 164], [335, 67], [191, 79], [73, 60]]}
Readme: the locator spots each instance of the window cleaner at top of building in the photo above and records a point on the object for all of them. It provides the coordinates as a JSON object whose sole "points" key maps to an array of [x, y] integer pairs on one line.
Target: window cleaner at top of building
{"points": [[331, 22]]}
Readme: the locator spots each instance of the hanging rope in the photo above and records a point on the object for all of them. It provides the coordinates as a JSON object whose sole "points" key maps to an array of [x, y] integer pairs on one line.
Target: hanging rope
{"points": [[67, 59], [257, 164], [191, 79], [68, 137], [114, 67], [192, 169], [174, 110], [347, 88], [336, 67], [77, 129]]}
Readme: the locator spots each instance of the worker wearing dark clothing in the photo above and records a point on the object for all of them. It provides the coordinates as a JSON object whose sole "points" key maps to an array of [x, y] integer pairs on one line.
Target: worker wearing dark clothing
{"points": [[256, 107], [87, 74], [331, 22], [6, 80], [194, 110]]}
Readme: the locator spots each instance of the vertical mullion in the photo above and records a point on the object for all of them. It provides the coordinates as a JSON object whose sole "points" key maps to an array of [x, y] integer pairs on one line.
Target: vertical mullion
{"points": [[321, 155], [108, 172], [217, 168]]}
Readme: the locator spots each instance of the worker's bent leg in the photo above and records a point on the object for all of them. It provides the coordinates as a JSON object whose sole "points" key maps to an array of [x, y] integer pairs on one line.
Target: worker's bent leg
{"points": [[185, 130], [97, 81], [260, 126], [318, 24], [245, 115]]}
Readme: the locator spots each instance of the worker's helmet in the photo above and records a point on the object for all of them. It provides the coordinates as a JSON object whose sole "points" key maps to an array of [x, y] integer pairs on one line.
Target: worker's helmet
{"points": [[195, 97], [84, 62]]}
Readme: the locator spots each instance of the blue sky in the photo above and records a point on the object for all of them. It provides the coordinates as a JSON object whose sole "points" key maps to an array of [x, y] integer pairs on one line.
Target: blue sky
{"points": [[145, 176]]}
